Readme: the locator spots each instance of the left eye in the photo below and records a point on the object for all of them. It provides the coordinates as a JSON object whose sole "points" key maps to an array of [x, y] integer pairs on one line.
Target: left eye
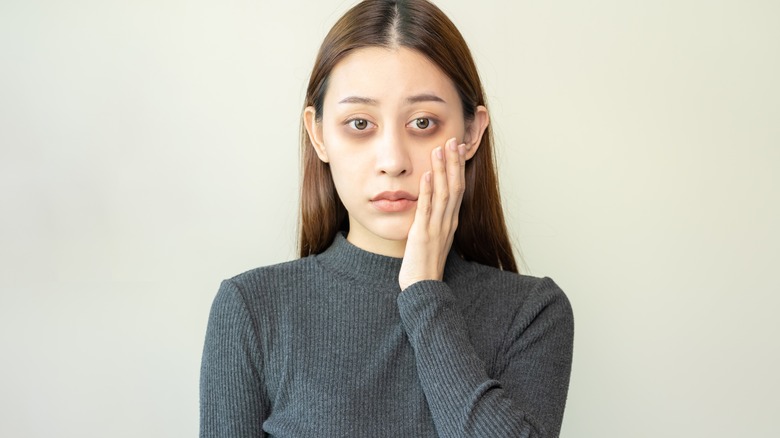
{"points": [[422, 123]]}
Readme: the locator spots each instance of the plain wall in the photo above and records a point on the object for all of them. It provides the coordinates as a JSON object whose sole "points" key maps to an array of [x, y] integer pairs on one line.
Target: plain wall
{"points": [[148, 150]]}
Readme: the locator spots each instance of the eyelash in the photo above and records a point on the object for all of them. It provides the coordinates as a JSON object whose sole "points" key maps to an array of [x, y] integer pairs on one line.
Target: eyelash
{"points": [[432, 123], [351, 124]]}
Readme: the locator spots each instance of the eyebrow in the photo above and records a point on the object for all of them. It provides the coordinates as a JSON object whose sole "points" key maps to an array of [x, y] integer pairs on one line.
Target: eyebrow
{"points": [[424, 98], [409, 100], [361, 100]]}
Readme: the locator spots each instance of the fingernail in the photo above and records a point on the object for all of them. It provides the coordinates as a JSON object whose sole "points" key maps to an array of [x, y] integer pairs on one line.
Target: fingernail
{"points": [[437, 151], [453, 144], [462, 149]]}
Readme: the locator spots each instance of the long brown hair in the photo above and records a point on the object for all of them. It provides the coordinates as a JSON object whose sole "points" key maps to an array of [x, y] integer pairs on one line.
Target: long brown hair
{"points": [[481, 235]]}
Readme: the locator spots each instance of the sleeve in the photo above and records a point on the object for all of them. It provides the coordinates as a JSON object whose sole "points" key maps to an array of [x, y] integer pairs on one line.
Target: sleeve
{"points": [[233, 401], [527, 396]]}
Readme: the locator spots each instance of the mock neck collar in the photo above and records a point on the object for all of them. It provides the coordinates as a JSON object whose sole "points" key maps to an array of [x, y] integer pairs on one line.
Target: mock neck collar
{"points": [[347, 260]]}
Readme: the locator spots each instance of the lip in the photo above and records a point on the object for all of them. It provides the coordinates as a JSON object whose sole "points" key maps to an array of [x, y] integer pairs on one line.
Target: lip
{"points": [[394, 196], [392, 202]]}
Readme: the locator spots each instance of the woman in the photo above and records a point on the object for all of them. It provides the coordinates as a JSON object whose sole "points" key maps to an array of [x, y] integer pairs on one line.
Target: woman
{"points": [[404, 315]]}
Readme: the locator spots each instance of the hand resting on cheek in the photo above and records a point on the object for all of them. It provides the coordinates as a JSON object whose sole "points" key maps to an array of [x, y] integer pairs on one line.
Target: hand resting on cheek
{"points": [[436, 219]]}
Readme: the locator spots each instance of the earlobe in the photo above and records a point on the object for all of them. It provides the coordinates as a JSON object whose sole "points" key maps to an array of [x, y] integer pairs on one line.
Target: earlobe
{"points": [[314, 131], [476, 130]]}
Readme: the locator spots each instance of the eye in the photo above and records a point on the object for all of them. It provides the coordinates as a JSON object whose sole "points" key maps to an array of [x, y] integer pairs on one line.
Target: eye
{"points": [[422, 124], [359, 124]]}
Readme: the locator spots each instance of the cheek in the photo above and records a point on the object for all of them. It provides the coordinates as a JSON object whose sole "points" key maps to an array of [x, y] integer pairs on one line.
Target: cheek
{"points": [[421, 159], [423, 150], [348, 172], [344, 174], [347, 191]]}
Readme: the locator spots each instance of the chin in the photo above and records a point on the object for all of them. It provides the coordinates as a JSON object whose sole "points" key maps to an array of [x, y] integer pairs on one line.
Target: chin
{"points": [[393, 235], [392, 228]]}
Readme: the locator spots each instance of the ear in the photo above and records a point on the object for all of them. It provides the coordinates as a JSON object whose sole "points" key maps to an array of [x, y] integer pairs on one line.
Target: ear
{"points": [[314, 130], [475, 130]]}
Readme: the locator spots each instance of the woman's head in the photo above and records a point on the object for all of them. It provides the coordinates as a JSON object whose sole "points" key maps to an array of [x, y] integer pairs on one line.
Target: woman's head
{"points": [[392, 81]]}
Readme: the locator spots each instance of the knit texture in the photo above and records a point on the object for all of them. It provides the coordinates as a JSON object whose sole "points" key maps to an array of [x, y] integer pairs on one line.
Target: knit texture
{"points": [[329, 346]]}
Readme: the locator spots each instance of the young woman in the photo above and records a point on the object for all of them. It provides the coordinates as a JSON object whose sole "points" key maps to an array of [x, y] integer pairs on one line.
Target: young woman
{"points": [[405, 315]]}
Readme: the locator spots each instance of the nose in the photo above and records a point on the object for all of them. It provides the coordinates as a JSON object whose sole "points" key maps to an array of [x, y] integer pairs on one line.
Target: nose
{"points": [[392, 156]]}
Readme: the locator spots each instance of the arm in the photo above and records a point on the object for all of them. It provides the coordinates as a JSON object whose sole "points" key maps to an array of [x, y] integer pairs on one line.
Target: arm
{"points": [[527, 396], [233, 402]]}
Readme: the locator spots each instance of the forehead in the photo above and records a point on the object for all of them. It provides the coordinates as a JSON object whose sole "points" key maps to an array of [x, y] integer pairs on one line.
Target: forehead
{"points": [[388, 75]]}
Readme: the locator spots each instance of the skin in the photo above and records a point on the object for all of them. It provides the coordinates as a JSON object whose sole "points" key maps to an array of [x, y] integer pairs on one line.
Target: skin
{"points": [[393, 121]]}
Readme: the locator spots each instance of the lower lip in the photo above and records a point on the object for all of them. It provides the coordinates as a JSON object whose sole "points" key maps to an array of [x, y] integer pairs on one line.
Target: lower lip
{"points": [[389, 206]]}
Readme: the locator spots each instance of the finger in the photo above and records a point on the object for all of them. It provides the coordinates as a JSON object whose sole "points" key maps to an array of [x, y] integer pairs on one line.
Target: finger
{"points": [[423, 213], [440, 195], [462, 157], [455, 179]]}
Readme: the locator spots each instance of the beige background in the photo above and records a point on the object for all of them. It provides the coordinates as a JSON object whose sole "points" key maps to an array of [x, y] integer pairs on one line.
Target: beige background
{"points": [[148, 149]]}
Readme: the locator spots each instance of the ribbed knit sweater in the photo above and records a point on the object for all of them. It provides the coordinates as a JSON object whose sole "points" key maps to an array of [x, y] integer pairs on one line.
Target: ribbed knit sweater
{"points": [[329, 346]]}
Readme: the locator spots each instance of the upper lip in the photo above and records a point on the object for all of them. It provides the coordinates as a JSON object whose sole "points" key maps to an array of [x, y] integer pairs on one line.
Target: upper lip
{"points": [[394, 196]]}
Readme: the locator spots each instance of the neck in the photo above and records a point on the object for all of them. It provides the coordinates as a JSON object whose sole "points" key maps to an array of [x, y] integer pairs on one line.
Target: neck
{"points": [[385, 247]]}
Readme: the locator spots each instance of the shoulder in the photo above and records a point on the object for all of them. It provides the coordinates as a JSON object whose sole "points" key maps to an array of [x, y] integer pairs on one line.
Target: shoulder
{"points": [[264, 285], [279, 273], [513, 295]]}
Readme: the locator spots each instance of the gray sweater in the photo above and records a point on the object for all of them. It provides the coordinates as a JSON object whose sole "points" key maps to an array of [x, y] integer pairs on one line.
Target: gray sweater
{"points": [[329, 346]]}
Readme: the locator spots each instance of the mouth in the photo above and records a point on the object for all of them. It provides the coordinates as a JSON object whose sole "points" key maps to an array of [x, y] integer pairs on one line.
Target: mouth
{"points": [[393, 202]]}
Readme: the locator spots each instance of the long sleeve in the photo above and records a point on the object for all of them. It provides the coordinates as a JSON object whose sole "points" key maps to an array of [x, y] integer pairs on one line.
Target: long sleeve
{"points": [[527, 394], [327, 346], [233, 402]]}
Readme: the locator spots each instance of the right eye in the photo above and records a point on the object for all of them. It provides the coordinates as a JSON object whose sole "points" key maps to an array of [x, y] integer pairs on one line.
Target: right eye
{"points": [[359, 124]]}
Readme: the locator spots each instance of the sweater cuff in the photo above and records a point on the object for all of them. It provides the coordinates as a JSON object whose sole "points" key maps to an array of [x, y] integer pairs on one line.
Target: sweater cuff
{"points": [[424, 292]]}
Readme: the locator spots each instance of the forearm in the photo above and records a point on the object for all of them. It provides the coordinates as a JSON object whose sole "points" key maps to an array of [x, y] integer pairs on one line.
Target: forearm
{"points": [[463, 398]]}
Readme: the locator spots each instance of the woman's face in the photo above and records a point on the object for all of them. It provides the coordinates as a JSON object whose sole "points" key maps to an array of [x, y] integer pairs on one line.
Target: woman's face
{"points": [[384, 112]]}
